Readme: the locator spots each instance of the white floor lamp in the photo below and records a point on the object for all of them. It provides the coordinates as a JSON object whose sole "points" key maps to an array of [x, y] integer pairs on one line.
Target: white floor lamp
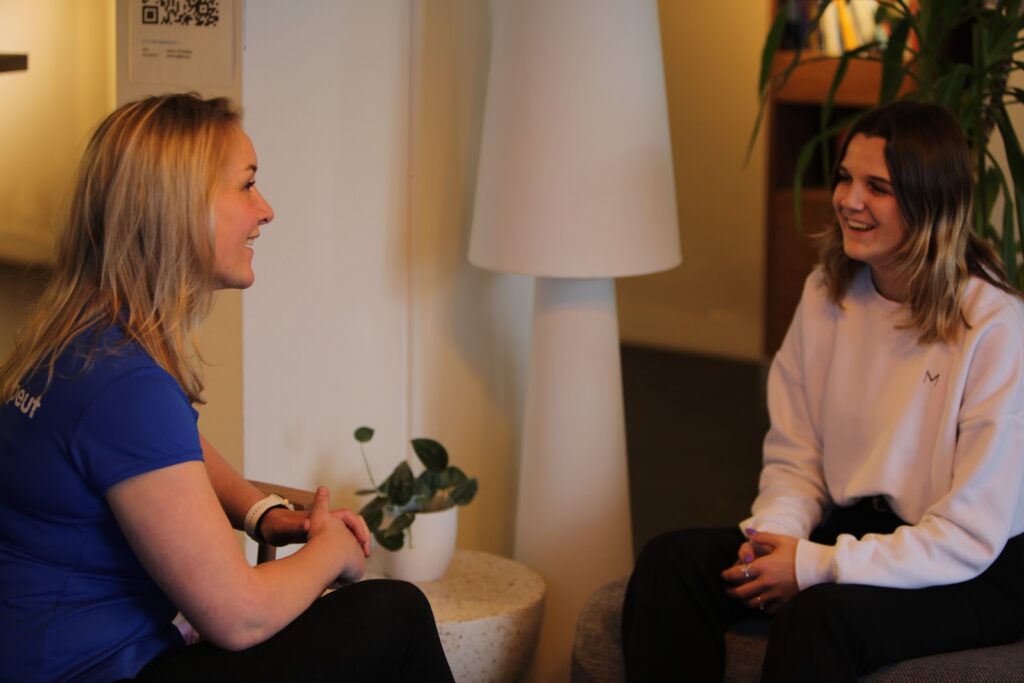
{"points": [[575, 187]]}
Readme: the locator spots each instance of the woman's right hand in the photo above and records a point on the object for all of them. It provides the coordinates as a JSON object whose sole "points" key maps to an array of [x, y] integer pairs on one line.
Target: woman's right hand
{"points": [[329, 527]]}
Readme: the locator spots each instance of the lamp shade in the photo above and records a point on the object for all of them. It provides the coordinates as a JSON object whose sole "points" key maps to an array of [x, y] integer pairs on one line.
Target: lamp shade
{"points": [[575, 176]]}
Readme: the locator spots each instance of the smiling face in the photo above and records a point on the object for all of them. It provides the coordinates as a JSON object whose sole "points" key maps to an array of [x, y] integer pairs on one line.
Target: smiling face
{"points": [[238, 212], [869, 216]]}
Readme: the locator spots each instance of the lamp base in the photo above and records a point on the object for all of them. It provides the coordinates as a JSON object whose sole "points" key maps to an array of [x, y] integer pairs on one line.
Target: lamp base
{"points": [[572, 519]]}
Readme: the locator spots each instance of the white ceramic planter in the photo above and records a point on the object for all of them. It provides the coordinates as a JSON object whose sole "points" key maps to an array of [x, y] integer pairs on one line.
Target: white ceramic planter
{"points": [[427, 556]]}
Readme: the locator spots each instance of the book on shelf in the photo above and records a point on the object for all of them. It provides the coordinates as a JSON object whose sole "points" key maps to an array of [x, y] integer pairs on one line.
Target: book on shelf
{"points": [[847, 30], [831, 35], [843, 25], [863, 13]]}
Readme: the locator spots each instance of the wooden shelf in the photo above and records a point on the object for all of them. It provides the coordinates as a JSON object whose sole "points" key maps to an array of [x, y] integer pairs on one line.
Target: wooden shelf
{"points": [[809, 82]]}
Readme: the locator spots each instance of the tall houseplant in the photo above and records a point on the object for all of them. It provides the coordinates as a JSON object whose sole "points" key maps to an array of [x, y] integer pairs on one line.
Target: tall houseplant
{"points": [[958, 53]]}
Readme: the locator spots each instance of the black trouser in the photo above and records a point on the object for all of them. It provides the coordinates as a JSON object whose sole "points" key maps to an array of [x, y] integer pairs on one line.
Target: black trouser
{"points": [[368, 631], [676, 611]]}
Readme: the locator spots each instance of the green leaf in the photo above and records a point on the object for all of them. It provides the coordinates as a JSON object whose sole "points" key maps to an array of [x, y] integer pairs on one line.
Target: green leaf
{"points": [[988, 189], [771, 46], [829, 103], [464, 492], [451, 476], [431, 454], [366, 492], [363, 434], [953, 90], [1009, 243], [757, 128], [400, 523], [1017, 94], [421, 492], [893, 66], [373, 513], [1000, 49], [393, 536], [391, 543], [431, 481], [1015, 162], [400, 485]]}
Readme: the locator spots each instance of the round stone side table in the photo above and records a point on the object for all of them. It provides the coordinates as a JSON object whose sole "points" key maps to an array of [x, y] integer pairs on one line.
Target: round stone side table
{"points": [[488, 610]]}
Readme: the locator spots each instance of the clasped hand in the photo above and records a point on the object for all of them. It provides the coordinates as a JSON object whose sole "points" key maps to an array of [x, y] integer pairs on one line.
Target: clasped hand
{"points": [[281, 526], [764, 576]]}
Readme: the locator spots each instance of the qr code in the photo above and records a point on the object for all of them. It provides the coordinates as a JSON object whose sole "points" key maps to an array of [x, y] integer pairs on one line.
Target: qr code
{"points": [[181, 12]]}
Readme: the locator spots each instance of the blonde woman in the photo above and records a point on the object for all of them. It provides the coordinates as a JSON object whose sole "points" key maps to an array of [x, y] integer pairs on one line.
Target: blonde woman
{"points": [[115, 514], [889, 518]]}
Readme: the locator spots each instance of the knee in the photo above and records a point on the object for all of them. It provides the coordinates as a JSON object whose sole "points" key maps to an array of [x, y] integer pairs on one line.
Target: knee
{"points": [[402, 600], [681, 552], [402, 596], [660, 547], [822, 612]]}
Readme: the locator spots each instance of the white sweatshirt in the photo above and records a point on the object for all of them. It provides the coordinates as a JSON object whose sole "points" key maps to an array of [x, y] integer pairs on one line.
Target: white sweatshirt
{"points": [[859, 408]]}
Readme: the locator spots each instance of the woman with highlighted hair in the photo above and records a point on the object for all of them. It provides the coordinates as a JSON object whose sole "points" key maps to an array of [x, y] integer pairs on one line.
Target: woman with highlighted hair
{"points": [[889, 515], [115, 513]]}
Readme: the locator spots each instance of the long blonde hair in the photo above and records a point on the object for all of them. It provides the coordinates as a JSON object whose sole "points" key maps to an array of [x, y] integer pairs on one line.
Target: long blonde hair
{"points": [[137, 245], [930, 168]]}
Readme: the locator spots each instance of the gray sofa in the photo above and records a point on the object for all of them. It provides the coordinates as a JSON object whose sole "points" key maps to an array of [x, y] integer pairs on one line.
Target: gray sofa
{"points": [[597, 652]]}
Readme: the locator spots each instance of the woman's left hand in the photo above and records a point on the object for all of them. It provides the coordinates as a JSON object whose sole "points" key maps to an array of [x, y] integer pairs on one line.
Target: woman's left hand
{"points": [[769, 581], [281, 526]]}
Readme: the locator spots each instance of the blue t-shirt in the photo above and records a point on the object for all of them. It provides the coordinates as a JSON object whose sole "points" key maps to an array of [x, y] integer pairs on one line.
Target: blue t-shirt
{"points": [[75, 604]]}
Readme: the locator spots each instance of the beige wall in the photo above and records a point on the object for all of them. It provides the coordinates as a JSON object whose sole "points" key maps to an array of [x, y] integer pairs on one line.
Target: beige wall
{"points": [[48, 112], [46, 115], [713, 302]]}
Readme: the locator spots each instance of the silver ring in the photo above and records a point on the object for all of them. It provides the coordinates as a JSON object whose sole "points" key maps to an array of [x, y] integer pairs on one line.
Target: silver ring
{"points": [[746, 572]]}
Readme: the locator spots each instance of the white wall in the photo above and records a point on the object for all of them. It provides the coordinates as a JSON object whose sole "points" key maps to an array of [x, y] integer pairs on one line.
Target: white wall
{"points": [[325, 328], [366, 120]]}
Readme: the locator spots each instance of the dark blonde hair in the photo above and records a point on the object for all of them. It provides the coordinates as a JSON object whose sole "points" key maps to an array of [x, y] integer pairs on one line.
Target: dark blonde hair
{"points": [[137, 245], [930, 168]]}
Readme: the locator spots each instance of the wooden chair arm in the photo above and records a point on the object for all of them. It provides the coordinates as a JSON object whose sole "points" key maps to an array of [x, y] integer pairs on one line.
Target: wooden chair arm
{"points": [[301, 499]]}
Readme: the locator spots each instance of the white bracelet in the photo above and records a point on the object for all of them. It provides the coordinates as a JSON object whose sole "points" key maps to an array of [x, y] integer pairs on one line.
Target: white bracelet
{"points": [[260, 508]]}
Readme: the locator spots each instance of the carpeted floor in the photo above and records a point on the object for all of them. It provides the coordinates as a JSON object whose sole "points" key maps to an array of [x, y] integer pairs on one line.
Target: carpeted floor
{"points": [[694, 426]]}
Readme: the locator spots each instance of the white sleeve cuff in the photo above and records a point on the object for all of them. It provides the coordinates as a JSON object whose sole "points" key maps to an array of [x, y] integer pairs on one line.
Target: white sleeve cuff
{"points": [[815, 563], [769, 525]]}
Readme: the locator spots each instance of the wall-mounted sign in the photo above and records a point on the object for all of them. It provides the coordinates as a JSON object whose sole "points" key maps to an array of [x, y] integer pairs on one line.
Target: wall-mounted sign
{"points": [[189, 42]]}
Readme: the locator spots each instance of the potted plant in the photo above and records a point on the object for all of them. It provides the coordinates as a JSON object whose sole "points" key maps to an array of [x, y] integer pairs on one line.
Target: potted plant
{"points": [[959, 54], [403, 497]]}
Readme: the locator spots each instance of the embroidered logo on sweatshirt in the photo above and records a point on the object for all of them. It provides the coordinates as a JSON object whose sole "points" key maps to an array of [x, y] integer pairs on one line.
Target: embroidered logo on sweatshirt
{"points": [[930, 378]]}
